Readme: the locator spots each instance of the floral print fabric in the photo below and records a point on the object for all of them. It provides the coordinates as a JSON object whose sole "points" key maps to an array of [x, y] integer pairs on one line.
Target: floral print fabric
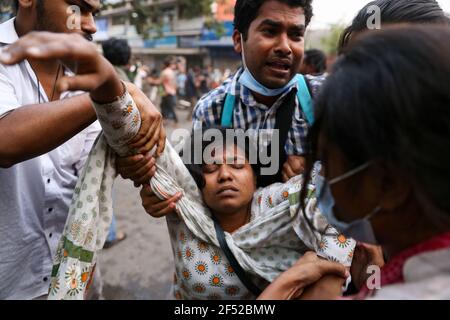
{"points": [[90, 212], [274, 239]]}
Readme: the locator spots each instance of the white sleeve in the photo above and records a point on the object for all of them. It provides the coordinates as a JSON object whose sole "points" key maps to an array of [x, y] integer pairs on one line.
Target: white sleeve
{"points": [[8, 97]]}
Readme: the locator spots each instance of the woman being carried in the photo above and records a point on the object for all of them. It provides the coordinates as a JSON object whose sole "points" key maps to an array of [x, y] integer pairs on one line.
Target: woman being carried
{"points": [[261, 228]]}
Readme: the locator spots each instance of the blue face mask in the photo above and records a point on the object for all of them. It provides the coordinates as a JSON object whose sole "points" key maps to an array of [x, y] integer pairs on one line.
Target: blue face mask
{"points": [[248, 81], [361, 229]]}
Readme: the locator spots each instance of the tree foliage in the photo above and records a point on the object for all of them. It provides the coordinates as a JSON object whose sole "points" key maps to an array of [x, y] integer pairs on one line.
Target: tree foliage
{"points": [[330, 42]]}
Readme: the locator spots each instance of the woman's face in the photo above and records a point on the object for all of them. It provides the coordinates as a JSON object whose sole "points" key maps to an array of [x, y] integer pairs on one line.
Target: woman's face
{"points": [[358, 195], [229, 186]]}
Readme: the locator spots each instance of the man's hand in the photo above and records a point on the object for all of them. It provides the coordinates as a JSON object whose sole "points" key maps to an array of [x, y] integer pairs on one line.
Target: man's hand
{"points": [[329, 287], [93, 72], [307, 271], [154, 206], [140, 169], [151, 132], [294, 166]]}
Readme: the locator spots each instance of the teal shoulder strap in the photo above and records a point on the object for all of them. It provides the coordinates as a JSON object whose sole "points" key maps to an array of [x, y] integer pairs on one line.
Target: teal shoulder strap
{"points": [[305, 99], [227, 112], [303, 96]]}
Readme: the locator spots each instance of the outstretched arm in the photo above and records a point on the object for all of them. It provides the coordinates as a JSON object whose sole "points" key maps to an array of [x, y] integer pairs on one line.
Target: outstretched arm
{"points": [[36, 129]]}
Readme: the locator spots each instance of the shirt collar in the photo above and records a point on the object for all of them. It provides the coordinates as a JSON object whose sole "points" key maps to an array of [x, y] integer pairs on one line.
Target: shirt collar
{"points": [[8, 33], [245, 94]]}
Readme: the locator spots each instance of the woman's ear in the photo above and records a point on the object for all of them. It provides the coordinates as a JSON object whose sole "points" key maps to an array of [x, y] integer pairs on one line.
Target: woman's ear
{"points": [[395, 190], [27, 3]]}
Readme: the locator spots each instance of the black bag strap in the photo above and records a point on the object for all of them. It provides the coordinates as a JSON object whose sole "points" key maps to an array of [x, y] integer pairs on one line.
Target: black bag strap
{"points": [[283, 120], [242, 275], [283, 123]]}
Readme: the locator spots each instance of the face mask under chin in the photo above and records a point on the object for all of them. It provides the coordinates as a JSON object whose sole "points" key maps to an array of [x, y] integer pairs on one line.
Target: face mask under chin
{"points": [[360, 229], [248, 80]]}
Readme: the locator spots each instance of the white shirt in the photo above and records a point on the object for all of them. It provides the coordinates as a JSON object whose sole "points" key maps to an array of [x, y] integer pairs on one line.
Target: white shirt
{"points": [[427, 277], [34, 195]]}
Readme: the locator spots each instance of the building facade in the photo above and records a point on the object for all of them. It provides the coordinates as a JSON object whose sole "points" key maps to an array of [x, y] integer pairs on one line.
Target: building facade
{"points": [[189, 38]]}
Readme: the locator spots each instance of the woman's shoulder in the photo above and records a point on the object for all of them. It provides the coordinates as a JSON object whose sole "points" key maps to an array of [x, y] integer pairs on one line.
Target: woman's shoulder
{"points": [[434, 288], [427, 276]]}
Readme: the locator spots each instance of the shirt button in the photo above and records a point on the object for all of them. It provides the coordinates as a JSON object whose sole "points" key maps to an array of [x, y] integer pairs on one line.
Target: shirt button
{"points": [[45, 279], [50, 209], [48, 180], [50, 235]]}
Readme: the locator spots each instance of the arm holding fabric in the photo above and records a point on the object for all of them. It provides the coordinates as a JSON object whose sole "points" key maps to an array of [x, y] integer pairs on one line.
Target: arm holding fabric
{"points": [[37, 129]]}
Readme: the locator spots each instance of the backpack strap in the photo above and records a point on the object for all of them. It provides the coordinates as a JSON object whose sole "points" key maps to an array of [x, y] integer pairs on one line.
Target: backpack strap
{"points": [[228, 111], [305, 99], [240, 272], [303, 95]]}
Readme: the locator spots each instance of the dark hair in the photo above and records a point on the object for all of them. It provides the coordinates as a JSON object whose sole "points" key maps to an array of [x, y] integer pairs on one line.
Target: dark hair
{"points": [[395, 11], [169, 60], [388, 99], [195, 169], [117, 51], [246, 11], [317, 59]]}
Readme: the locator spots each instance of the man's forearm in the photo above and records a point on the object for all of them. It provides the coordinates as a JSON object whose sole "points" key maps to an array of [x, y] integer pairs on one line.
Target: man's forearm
{"points": [[33, 130]]}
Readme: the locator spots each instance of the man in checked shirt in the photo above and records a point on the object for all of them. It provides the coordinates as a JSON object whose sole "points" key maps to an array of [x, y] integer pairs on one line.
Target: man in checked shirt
{"points": [[269, 35]]}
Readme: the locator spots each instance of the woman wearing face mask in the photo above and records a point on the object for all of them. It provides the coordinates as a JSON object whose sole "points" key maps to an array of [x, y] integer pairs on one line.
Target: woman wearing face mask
{"points": [[383, 134]]}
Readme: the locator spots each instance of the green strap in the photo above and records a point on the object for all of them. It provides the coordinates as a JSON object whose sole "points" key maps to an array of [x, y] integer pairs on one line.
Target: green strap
{"points": [[303, 95], [305, 99]]}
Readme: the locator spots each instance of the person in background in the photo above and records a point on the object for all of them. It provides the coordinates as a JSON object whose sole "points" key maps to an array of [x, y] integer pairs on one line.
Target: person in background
{"points": [[181, 77], [314, 63], [203, 79], [168, 82], [154, 89], [191, 91], [118, 53]]}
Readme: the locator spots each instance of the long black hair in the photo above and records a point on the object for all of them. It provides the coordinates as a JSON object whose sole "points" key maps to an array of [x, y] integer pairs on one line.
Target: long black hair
{"points": [[388, 99], [395, 11]]}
